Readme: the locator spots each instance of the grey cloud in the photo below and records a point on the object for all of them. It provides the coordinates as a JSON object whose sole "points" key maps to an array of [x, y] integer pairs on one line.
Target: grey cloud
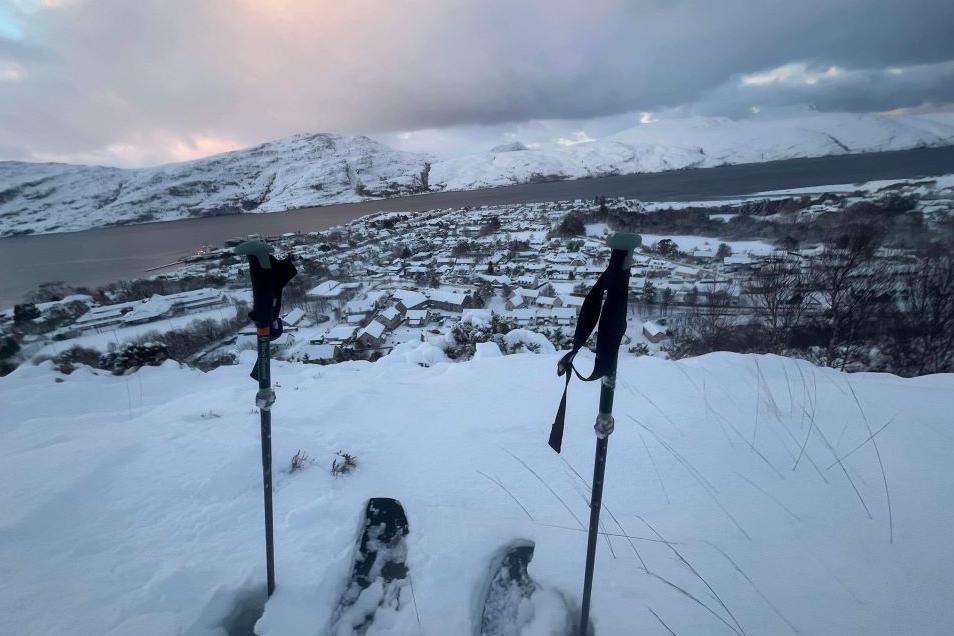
{"points": [[849, 90], [113, 72]]}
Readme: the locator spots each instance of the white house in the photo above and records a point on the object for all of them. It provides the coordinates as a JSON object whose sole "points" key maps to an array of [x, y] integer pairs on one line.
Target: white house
{"points": [[655, 331], [342, 334], [408, 299], [563, 316], [372, 336], [327, 289], [516, 301], [417, 317], [390, 317], [294, 317]]}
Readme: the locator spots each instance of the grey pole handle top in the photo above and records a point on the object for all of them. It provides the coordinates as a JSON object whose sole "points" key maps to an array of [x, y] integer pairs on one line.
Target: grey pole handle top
{"points": [[625, 241], [258, 249]]}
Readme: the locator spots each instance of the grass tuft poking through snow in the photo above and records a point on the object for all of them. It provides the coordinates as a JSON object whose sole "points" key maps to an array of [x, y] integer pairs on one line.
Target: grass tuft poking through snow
{"points": [[343, 464]]}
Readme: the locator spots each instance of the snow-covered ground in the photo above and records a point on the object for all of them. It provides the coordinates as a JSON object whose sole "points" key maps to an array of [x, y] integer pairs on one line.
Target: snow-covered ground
{"points": [[115, 336], [132, 505], [940, 182], [319, 169], [689, 243]]}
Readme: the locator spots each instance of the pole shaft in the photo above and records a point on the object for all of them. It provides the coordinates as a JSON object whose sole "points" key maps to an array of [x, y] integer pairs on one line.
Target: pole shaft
{"points": [[595, 505], [596, 500], [265, 382]]}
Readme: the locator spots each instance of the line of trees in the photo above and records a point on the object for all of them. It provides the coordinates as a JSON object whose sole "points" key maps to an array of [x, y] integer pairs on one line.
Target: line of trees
{"points": [[850, 307]]}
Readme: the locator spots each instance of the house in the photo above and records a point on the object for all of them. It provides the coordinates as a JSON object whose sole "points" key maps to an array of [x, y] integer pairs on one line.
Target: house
{"points": [[515, 302], [372, 336], [321, 353], [563, 316], [524, 316], [139, 312], [327, 289], [407, 299], [390, 317], [105, 316], [417, 317], [686, 272], [153, 309], [450, 301], [342, 334], [575, 302], [197, 299], [294, 318], [332, 289], [736, 262], [655, 331], [547, 302], [359, 309], [562, 272], [527, 293]]}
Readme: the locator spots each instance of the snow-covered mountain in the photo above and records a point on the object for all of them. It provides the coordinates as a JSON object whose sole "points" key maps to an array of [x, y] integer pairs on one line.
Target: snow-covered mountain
{"points": [[744, 495], [320, 169], [298, 171], [696, 142]]}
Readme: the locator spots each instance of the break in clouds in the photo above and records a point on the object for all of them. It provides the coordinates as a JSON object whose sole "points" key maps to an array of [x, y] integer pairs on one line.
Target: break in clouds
{"points": [[137, 83]]}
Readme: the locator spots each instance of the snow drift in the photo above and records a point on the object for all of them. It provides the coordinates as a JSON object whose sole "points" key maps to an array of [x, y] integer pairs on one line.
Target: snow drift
{"points": [[744, 495], [320, 169]]}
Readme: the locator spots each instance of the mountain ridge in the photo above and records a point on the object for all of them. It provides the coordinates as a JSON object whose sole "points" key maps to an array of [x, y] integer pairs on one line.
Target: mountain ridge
{"points": [[314, 169]]}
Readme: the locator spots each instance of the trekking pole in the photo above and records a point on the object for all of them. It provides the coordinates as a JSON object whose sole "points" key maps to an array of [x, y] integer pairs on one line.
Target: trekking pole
{"points": [[264, 400], [606, 302], [269, 276]]}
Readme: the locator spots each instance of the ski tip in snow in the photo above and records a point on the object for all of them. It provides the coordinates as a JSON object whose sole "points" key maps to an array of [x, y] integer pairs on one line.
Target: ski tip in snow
{"points": [[508, 588], [379, 571], [385, 526]]}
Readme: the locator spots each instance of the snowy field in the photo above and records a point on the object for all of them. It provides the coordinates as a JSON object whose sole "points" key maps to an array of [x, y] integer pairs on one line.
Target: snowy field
{"points": [[940, 182], [115, 336], [688, 243], [132, 505]]}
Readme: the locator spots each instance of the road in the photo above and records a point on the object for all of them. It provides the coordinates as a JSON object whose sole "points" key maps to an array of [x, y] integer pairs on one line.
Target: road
{"points": [[98, 256]]}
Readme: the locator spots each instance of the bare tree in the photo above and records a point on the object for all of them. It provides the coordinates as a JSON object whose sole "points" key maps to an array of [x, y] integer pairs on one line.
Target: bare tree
{"points": [[851, 281], [924, 334], [776, 291]]}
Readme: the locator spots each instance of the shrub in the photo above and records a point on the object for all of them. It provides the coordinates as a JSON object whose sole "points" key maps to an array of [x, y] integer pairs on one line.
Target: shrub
{"points": [[345, 463], [639, 349], [299, 460], [67, 361], [133, 356]]}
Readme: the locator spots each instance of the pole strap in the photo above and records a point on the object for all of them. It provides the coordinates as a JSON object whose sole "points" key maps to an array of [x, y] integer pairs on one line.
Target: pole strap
{"points": [[267, 286], [604, 306]]}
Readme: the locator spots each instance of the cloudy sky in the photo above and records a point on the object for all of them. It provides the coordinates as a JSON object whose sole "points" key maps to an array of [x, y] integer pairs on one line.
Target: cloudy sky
{"points": [[139, 82]]}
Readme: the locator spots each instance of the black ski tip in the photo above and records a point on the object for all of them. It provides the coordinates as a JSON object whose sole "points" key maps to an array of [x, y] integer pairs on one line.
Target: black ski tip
{"points": [[388, 511], [381, 556], [508, 585], [385, 525]]}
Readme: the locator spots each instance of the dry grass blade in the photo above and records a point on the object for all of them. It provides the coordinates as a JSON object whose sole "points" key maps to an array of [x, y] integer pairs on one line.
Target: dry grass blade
{"points": [[661, 621], [504, 488], [884, 476], [548, 487], [866, 440]]}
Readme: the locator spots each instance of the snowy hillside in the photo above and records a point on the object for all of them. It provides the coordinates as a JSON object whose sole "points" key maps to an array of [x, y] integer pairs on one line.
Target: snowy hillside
{"points": [[320, 169], [298, 171], [697, 142], [132, 505]]}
